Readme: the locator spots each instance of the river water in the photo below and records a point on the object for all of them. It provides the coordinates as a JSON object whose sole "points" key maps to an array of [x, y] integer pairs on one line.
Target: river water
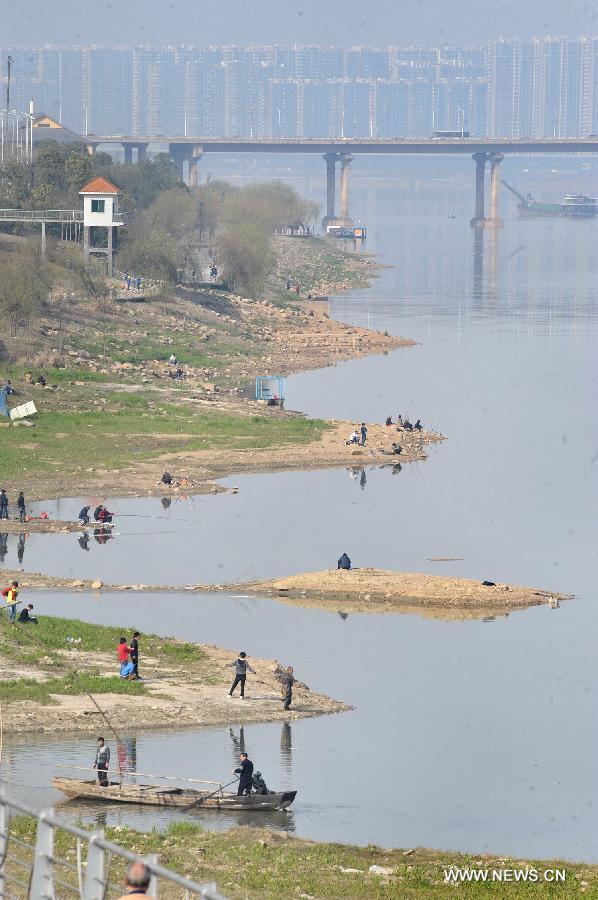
{"points": [[469, 735]]}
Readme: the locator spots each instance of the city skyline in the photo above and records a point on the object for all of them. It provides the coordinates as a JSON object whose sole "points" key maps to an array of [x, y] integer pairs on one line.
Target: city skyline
{"points": [[546, 87]]}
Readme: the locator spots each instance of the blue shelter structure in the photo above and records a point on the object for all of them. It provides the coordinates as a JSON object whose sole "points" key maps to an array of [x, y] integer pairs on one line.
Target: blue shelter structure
{"points": [[270, 388]]}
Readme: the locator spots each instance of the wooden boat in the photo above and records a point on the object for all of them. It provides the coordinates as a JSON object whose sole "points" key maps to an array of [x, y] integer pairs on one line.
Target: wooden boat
{"points": [[159, 795]]}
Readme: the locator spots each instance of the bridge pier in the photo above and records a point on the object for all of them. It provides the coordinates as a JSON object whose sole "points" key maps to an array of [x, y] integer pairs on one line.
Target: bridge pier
{"points": [[128, 148], [494, 220], [345, 219], [479, 220], [330, 217]]}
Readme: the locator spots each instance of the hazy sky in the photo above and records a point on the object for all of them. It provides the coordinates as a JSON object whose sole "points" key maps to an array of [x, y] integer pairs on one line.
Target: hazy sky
{"points": [[340, 22]]}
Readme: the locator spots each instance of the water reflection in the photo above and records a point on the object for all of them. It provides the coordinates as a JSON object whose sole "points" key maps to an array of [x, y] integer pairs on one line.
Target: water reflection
{"points": [[21, 548], [3, 546]]}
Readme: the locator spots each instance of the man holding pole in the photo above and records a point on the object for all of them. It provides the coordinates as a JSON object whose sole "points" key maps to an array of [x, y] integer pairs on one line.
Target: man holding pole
{"points": [[102, 762]]}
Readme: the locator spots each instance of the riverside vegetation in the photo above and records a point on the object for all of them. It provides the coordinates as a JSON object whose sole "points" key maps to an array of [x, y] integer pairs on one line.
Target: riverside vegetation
{"points": [[255, 864]]}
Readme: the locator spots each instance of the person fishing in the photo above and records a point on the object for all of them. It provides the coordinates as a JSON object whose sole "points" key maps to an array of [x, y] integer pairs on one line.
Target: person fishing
{"points": [[25, 617], [97, 511], [241, 667], [288, 680], [102, 762], [21, 506], [245, 772], [3, 504], [11, 594], [84, 515], [344, 562], [105, 517], [364, 433]]}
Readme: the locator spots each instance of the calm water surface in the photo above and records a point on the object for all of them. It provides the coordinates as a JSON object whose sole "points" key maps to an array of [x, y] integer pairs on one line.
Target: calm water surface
{"points": [[482, 736]]}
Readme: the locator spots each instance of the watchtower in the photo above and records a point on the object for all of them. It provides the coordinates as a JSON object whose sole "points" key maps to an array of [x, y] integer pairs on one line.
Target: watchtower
{"points": [[100, 213]]}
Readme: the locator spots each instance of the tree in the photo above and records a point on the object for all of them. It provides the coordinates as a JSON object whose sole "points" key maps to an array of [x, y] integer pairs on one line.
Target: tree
{"points": [[24, 283], [245, 257]]}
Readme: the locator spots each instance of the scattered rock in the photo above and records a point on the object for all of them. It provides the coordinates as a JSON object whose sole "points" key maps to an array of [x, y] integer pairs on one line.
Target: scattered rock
{"points": [[96, 584]]}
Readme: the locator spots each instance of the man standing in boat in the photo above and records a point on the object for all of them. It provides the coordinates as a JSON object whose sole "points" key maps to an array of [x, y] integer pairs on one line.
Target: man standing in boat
{"points": [[102, 762], [245, 773]]}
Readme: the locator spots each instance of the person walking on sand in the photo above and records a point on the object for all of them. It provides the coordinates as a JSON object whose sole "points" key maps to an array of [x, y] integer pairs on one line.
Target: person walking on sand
{"points": [[241, 667], [102, 762], [21, 506], [245, 773], [3, 505], [364, 434], [11, 594], [288, 680]]}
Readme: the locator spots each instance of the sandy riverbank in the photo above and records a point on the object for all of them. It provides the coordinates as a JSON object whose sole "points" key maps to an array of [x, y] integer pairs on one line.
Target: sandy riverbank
{"points": [[377, 590], [176, 694], [358, 590]]}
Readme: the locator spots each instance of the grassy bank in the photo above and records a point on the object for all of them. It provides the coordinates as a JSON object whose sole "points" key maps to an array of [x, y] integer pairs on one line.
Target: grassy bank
{"points": [[255, 864], [51, 646], [130, 428]]}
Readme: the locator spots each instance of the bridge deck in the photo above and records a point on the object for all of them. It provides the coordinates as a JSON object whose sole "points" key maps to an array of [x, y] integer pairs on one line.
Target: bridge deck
{"points": [[366, 146]]}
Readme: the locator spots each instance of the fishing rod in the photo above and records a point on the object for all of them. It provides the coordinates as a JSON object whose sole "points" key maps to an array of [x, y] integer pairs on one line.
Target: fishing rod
{"points": [[109, 724], [213, 794]]}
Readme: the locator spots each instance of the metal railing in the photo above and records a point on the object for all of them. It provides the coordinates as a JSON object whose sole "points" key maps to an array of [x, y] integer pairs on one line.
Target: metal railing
{"points": [[41, 215], [64, 861]]}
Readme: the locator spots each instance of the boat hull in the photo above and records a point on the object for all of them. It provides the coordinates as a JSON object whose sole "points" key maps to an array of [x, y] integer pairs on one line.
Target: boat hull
{"points": [[174, 798]]}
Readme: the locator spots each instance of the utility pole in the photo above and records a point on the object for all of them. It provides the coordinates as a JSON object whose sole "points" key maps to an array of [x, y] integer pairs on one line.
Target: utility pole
{"points": [[9, 65]]}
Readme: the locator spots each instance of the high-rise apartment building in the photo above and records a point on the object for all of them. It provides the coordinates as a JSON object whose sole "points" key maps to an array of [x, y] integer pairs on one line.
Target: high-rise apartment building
{"points": [[509, 88]]}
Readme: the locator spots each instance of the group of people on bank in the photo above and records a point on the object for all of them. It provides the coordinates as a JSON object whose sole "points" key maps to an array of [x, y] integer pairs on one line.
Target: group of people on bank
{"points": [[5, 503]]}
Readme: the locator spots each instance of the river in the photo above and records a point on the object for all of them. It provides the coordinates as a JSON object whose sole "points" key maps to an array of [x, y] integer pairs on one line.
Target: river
{"points": [[478, 736]]}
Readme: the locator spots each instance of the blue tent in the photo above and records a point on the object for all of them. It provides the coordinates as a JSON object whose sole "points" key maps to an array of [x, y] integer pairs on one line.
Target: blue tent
{"points": [[3, 403]]}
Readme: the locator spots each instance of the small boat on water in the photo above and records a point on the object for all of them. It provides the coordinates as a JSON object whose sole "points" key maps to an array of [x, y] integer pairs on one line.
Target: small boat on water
{"points": [[173, 797]]}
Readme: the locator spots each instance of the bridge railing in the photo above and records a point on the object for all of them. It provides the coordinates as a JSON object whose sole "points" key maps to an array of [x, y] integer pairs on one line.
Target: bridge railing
{"points": [[65, 861], [41, 215]]}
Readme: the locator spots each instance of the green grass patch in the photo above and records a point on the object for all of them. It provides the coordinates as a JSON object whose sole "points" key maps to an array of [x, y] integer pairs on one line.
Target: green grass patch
{"points": [[41, 691], [28, 643], [127, 431]]}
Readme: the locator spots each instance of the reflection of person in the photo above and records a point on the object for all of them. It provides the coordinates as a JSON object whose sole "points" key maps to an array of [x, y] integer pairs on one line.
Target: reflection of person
{"points": [[137, 880], [102, 762], [3, 546], [245, 773], [21, 548], [83, 541], [286, 740], [238, 743]]}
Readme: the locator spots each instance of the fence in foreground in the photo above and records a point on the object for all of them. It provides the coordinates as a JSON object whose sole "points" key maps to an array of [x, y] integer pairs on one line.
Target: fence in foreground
{"points": [[62, 861]]}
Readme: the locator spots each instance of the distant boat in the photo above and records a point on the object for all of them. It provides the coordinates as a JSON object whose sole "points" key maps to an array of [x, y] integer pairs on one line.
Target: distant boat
{"points": [[451, 216], [573, 205]]}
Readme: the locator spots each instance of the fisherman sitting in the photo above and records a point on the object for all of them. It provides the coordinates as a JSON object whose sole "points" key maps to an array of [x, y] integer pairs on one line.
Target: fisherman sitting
{"points": [[25, 618], [166, 478], [84, 515], [399, 422], [407, 425], [172, 359], [417, 426], [388, 422], [258, 784], [353, 438], [104, 516], [397, 449], [344, 562]]}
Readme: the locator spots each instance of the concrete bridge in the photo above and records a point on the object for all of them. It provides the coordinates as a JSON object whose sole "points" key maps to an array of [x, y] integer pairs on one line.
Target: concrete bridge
{"points": [[342, 150]]}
